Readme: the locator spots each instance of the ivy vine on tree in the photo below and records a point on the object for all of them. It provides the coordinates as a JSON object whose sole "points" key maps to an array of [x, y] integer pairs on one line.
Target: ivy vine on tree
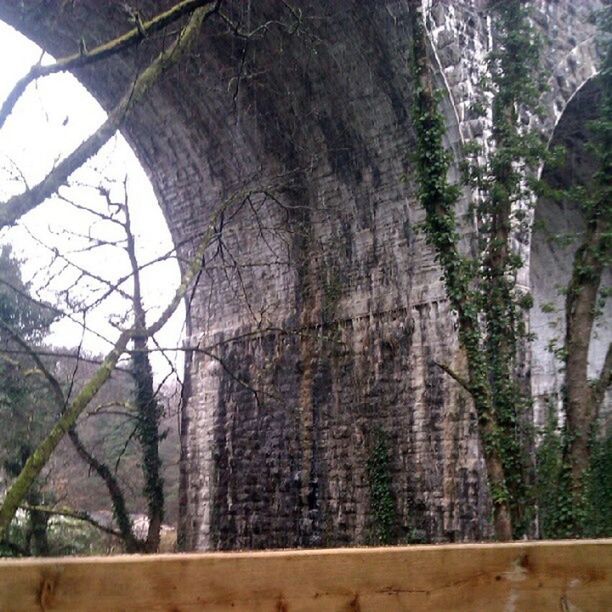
{"points": [[482, 289]]}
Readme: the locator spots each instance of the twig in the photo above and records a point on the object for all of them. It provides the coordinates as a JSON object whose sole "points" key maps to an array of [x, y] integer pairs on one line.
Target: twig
{"points": [[456, 377], [126, 532], [55, 386]]}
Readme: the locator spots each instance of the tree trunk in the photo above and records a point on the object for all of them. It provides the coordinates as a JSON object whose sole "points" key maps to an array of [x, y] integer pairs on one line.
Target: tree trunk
{"points": [[124, 523], [581, 407], [439, 200], [149, 412], [38, 524]]}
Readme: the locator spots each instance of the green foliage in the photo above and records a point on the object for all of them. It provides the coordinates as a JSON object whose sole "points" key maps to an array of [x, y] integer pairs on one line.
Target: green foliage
{"points": [[332, 292], [562, 513], [382, 500], [551, 507], [17, 309], [73, 537], [482, 288], [25, 407], [515, 86], [599, 490]]}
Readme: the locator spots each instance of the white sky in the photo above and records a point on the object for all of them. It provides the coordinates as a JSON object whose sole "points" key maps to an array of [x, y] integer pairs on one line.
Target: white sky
{"points": [[52, 117]]}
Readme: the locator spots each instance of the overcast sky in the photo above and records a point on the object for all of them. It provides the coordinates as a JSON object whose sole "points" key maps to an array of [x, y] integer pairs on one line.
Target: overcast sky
{"points": [[53, 117]]}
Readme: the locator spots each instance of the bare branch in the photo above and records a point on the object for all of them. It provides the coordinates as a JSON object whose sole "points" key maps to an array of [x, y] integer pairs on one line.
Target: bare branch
{"points": [[19, 205], [58, 354], [55, 386], [101, 52], [459, 379], [38, 459], [114, 490]]}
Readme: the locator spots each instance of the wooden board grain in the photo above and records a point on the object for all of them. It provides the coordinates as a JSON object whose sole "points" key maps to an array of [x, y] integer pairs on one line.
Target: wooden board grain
{"points": [[539, 576]]}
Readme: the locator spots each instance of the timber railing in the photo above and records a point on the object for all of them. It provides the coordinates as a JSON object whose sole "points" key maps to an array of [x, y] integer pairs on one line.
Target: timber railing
{"points": [[533, 576]]}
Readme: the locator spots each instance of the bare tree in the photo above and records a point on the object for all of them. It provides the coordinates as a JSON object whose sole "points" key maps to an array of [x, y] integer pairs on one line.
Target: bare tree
{"points": [[136, 332], [74, 408], [20, 204]]}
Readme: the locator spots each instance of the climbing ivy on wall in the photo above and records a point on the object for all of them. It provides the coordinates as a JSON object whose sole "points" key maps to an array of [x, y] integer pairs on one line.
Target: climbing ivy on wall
{"points": [[482, 290], [382, 502], [572, 461], [562, 513]]}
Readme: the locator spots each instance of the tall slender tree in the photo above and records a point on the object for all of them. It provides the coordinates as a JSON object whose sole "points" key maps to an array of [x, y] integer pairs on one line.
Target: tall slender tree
{"points": [[482, 290]]}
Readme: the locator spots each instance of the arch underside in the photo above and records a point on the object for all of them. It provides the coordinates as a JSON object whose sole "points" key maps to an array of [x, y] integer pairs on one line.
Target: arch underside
{"points": [[558, 231], [337, 300]]}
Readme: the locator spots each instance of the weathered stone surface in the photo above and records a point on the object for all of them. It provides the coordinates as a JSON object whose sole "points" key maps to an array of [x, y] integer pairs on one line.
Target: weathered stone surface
{"points": [[326, 319]]}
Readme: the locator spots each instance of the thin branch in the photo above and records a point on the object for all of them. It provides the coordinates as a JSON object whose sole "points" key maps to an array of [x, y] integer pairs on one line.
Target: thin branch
{"points": [[101, 52], [264, 27], [456, 377], [126, 444], [77, 362], [39, 458], [54, 309], [84, 273], [114, 490], [102, 408], [55, 386], [58, 354]]}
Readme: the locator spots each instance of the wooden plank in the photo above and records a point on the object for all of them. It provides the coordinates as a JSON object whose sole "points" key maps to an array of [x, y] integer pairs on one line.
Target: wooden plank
{"points": [[539, 576]]}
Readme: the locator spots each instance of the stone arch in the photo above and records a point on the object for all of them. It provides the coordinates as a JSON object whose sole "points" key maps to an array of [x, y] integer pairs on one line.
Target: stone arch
{"points": [[462, 37], [572, 59], [332, 111], [572, 64], [556, 235]]}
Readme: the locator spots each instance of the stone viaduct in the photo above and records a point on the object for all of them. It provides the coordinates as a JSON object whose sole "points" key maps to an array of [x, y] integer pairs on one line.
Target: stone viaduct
{"points": [[325, 310]]}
